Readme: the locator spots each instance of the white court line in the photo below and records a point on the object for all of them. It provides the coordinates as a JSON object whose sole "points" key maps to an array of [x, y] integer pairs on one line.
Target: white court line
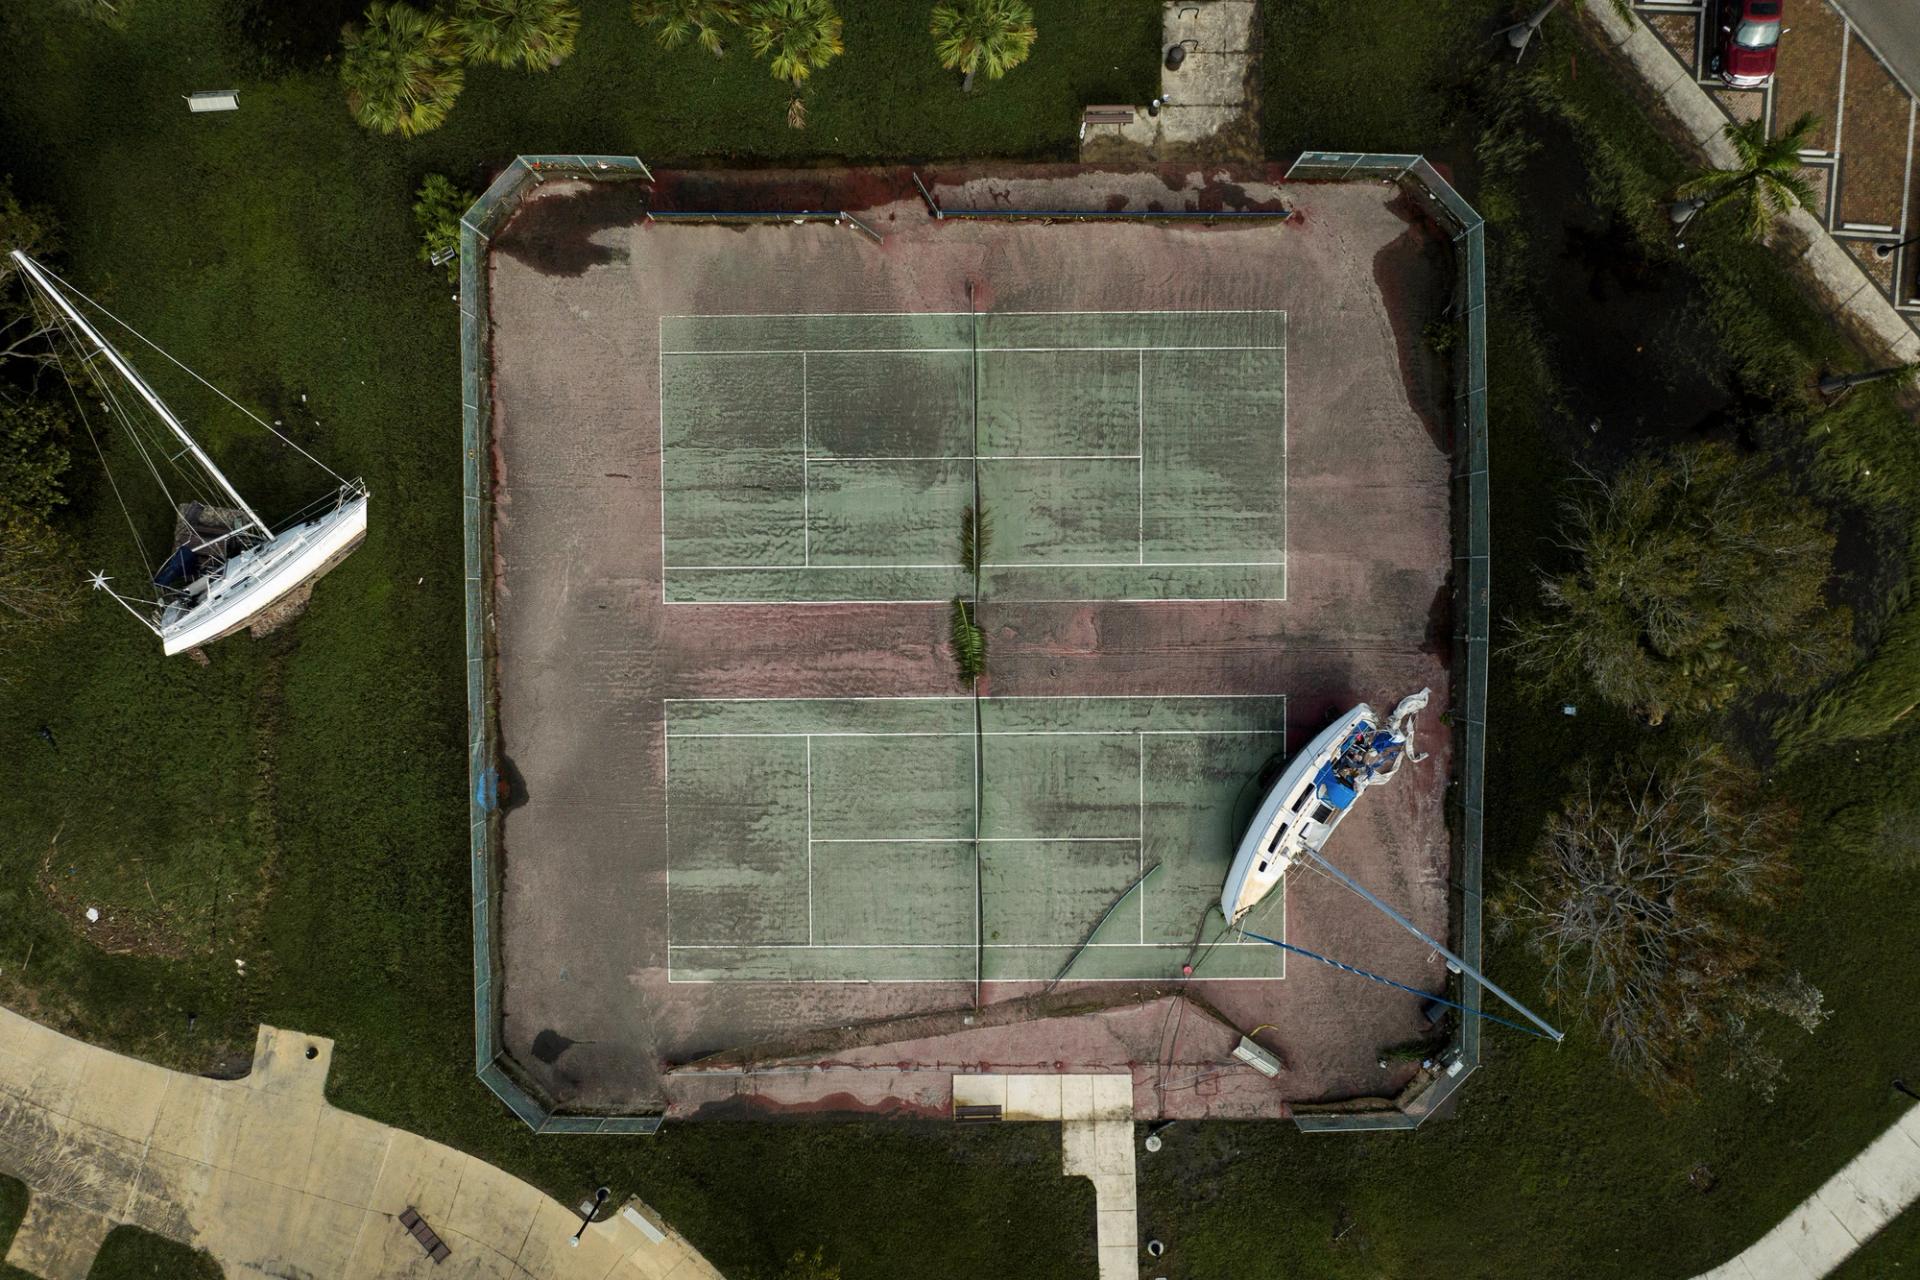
{"points": [[806, 483], [1140, 456], [998, 697], [985, 565], [1142, 739], [972, 840], [809, 840], [944, 601], [942, 946], [951, 315], [666, 830], [984, 457], [950, 351], [1003, 733]]}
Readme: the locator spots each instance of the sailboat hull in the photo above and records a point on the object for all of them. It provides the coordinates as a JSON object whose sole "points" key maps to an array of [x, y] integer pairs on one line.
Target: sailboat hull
{"points": [[1290, 816], [251, 584]]}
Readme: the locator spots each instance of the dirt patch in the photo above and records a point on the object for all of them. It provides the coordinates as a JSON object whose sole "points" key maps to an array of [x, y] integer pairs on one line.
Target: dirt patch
{"points": [[1873, 143], [1807, 75]]}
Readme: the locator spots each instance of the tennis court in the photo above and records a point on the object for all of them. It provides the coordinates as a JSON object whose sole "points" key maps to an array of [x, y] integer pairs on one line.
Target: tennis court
{"points": [[831, 458], [884, 840]]}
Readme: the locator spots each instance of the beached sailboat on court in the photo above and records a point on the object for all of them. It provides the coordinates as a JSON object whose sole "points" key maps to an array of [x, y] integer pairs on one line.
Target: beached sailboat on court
{"points": [[1317, 789], [223, 567]]}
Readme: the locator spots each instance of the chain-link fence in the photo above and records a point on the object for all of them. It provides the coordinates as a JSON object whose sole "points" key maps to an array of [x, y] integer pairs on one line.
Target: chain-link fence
{"points": [[1471, 599], [1471, 586], [477, 227]]}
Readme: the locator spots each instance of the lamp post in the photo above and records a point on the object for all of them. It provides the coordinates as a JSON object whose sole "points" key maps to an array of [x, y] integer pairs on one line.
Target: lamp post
{"points": [[1901, 1085], [1888, 250], [600, 1195]]}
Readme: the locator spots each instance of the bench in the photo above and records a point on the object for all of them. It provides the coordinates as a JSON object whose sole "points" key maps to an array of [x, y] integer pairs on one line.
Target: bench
{"points": [[436, 1247], [977, 1113], [1108, 114]]}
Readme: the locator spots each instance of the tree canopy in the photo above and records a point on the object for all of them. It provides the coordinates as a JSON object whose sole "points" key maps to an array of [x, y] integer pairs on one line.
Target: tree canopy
{"points": [[796, 37], [530, 34], [401, 69], [1766, 182], [706, 21], [1649, 898], [991, 36], [1698, 576]]}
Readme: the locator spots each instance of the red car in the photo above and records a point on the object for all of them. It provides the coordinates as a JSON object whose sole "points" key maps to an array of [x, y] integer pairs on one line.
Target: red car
{"points": [[1747, 42]]}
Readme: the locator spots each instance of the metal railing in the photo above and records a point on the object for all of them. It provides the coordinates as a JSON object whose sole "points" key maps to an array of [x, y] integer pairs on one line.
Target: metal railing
{"points": [[477, 227], [1472, 604]]}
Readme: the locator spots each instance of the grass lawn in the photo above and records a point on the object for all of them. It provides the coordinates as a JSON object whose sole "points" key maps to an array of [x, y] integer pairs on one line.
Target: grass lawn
{"points": [[299, 803], [274, 252]]}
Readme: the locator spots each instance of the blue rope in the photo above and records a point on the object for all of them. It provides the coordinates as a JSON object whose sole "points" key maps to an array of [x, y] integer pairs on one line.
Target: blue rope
{"points": [[1374, 977]]}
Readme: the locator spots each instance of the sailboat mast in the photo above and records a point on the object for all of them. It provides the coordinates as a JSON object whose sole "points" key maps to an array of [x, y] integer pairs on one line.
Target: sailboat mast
{"points": [[33, 272], [1414, 929]]}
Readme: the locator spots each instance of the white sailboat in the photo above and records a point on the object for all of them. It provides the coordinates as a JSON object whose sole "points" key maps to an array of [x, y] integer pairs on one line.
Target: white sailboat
{"points": [[1316, 790], [225, 566]]}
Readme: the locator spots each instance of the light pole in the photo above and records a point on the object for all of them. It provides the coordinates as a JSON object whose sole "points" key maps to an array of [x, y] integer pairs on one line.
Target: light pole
{"points": [[1901, 1085], [600, 1195], [1888, 250], [1839, 384], [1681, 212]]}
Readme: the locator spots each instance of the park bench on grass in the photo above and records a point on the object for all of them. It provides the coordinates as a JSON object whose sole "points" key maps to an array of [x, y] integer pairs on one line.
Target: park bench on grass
{"points": [[436, 1247], [1109, 114]]}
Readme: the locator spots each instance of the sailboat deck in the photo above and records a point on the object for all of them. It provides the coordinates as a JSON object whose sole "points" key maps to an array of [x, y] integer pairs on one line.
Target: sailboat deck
{"points": [[753, 801]]}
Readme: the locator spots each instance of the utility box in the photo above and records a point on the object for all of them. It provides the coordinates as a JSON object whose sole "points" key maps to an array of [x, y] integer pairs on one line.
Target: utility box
{"points": [[214, 100], [1257, 1058]]}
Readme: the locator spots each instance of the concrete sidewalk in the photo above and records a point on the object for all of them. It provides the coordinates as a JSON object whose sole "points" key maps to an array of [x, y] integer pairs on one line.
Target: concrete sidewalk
{"points": [[1833, 275], [271, 1180], [1841, 1216]]}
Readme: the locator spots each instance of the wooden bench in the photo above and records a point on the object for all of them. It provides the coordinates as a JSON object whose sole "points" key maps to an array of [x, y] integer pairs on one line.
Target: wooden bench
{"points": [[1121, 114], [436, 1247], [975, 1114]]}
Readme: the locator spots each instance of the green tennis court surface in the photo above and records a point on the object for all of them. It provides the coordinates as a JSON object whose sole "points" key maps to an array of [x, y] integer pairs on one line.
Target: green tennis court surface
{"points": [[1119, 455], [881, 839]]}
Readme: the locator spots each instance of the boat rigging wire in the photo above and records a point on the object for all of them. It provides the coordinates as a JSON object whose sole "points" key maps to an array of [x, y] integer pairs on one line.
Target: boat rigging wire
{"points": [[1374, 977], [197, 378]]}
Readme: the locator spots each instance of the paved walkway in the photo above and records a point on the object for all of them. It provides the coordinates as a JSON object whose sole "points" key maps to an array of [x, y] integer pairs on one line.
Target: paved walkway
{"points": [[1207, 103], [1842, 1215], [1095, 1114], [271, 1180]]}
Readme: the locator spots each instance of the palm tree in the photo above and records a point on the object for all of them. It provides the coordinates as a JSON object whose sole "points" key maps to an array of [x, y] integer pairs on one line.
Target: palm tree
{"points": [[704, 20], [1765, 183], [993, 36], [534, 34], [798, 37], [402, 69]]}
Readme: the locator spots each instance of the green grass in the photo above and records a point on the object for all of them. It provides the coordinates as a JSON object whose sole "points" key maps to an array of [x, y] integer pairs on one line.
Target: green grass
{"points": [[1893, 1253], [130, 1253], [274, 251]]}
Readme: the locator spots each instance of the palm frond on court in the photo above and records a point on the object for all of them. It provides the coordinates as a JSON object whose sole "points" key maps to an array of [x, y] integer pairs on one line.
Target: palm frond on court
{"points": [[797, 37], [969, 643], [704, 21], [532, 34], [401, 69], [972, 36], [1766, 182], [976, 532]]}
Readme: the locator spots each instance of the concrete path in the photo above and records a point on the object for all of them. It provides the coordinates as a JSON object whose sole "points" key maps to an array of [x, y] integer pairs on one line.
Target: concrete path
{"points": [[1095, 1114], [271, 1180], [1206, 107], [1842, 1215], [1833, 274]]}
